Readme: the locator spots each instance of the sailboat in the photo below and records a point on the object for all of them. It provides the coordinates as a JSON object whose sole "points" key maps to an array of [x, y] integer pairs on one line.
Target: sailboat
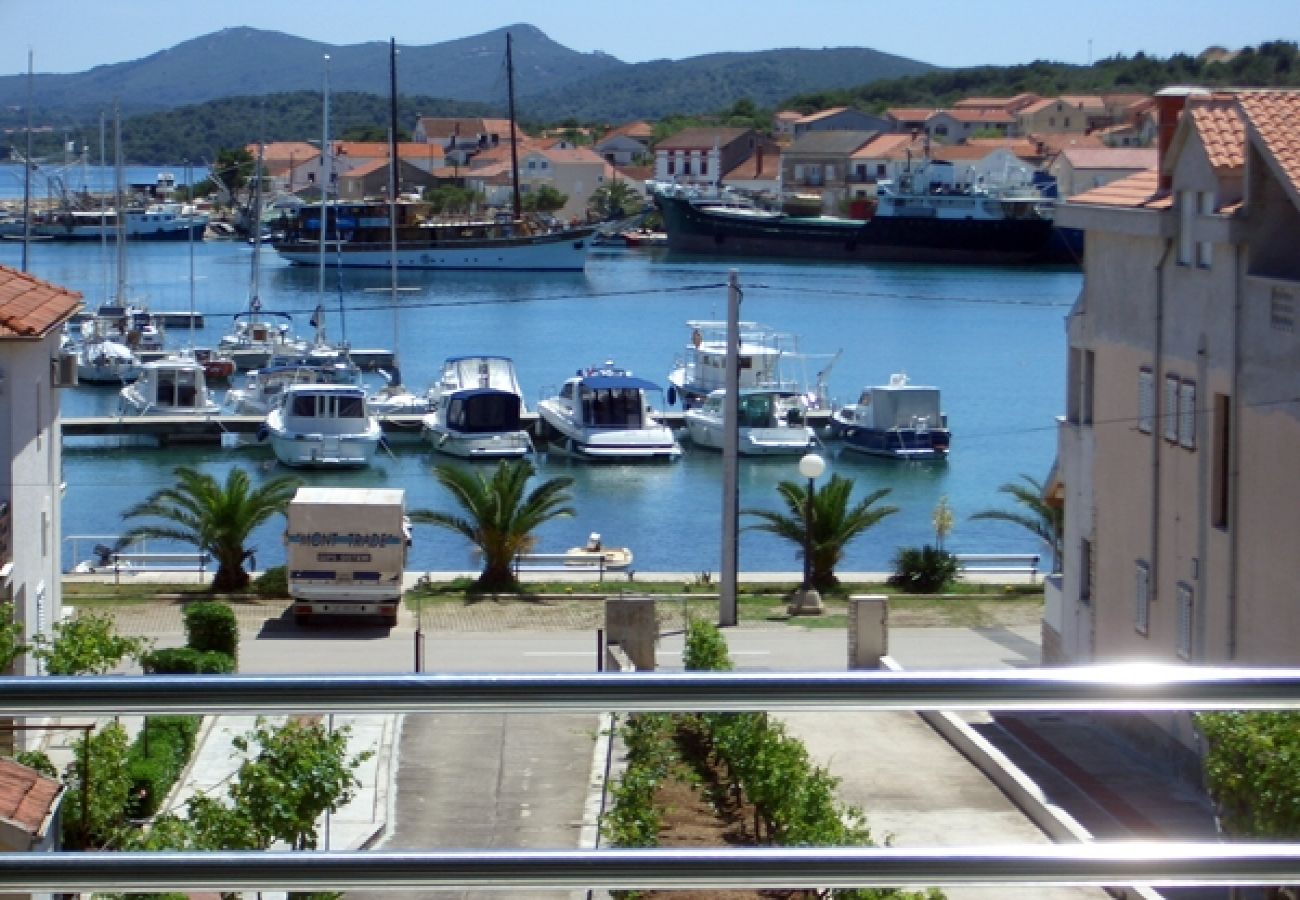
{"points": [[359, 233], [103, 354]]}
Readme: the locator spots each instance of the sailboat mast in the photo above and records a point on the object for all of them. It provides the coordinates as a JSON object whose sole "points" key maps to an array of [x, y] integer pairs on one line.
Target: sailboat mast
{"points": [[255, 276], [392, 191], [119, 214], [27, 168], [514, 150], [326, 176]]}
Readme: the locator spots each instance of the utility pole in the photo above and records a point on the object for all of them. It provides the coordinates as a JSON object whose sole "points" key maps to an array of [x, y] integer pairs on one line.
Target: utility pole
{"points": [[727, 603]]}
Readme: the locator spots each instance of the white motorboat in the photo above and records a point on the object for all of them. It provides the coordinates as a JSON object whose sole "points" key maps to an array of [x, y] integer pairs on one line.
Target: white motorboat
{"points": [[594, 553], [172, 386], [769, 422], [767, 359], [899, 420], [323, 426], [101, 360], [260, 339], [604, 413], [477, 404], [263, 389]]}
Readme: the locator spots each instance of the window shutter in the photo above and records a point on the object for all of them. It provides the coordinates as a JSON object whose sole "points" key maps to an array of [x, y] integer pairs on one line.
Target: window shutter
{"points": [[1187, 415], [1185, 606], [1146, 400], [1142, 597], [1169, 410]]}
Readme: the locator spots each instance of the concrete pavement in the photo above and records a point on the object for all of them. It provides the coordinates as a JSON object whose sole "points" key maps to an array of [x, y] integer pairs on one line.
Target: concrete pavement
{"points": [[915, 786]]}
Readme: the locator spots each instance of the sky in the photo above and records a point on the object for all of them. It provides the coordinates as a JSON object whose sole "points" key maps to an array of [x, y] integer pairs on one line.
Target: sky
{"points": [[76, 35]]}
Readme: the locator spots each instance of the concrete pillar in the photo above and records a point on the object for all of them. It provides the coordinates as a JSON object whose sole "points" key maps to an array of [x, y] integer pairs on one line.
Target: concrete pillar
{"points": [[868, 630], [630, 622]]}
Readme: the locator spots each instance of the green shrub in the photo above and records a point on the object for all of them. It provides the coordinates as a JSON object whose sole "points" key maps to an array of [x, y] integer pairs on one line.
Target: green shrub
{"points": [[212, 626], [187, 661], [35, 759], [274, 582], [156, 759], [923, 570]]}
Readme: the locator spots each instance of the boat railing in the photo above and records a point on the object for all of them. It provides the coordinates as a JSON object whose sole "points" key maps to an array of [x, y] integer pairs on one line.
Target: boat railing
{"points": [[109, 554]]}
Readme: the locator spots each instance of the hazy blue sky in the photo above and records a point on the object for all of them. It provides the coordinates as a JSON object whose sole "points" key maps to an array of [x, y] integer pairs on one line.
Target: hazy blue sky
{"points": [[75, 35]]}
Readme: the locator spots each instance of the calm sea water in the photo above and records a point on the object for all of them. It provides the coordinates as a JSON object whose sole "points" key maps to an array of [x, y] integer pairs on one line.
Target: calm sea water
{"points": [[991, 339]]}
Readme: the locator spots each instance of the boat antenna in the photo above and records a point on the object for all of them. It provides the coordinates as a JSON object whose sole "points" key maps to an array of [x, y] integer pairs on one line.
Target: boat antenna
{"points": [[189, 228], [119, 217], [27, 168], [326, 177], [393, 184], [514, 150], [103, 213], [255, 277]]}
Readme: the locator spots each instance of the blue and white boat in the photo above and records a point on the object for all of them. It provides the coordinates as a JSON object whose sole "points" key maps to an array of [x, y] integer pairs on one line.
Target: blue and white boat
{"points": [[605, 413], [769, 423], [323, 426], [899, 420], [477, 408]]}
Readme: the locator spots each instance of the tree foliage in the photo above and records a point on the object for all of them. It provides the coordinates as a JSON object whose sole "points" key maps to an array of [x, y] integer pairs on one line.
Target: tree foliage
{"points": [[1036, 515], [87, 644], [11, 634], [834, 522], [212, 517], [449, 199], [544, 199], [615, 199], [1250, 770], [499, 517]]}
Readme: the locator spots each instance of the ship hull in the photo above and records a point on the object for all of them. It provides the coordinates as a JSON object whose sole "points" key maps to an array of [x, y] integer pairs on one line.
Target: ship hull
{"points": [[1014, 241], [555, 252]]}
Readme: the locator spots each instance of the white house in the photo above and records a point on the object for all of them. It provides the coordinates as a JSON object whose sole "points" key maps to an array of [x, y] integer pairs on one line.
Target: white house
{"points": [[32, 316], [574, 171]]}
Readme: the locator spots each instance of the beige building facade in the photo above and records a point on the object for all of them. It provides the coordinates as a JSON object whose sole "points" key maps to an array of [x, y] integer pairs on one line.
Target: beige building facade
{"points": [[1178, 453]]}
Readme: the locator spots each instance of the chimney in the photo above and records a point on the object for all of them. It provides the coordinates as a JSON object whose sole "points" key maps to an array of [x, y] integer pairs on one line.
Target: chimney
{"points": [[1170, 103]]}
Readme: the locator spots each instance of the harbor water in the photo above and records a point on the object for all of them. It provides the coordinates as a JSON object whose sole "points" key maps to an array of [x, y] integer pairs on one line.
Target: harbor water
{"points": [[993, 340]]}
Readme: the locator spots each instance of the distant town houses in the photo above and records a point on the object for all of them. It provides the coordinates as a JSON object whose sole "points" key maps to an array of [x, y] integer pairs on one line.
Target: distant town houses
{"points": [[831, 157]]}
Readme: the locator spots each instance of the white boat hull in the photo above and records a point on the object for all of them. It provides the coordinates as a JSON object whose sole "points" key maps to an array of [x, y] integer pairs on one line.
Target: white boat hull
{"points": [[506, 445], [607, 444], [538, 256], [788, 441], [323, 451]]}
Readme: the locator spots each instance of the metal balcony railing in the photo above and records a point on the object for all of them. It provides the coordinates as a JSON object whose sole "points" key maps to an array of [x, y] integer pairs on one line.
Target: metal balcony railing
{"points": [[1164, 863]]}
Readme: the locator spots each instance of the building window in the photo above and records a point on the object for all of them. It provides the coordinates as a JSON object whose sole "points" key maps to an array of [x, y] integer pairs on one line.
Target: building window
{"points": [[1169, 409], [1185, 609], [880, 170], [1220, 485], [672, 165], [1205, 249], [704, 166], [1186, 218], [1141, 597], [1187, 415], [1281, 310], [1067, 122], [1146, 400], [1085, 571]]}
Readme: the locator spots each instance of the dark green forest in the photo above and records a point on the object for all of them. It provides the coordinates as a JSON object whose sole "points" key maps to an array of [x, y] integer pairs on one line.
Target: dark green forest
{"points": [[198, 131]]}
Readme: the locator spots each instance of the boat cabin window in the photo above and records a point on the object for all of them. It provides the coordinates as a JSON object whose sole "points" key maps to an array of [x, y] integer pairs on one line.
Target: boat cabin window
{"points": [[612, 407], [756, 411], [351, 407], [566, 392], [176, 388], [484, 413]]}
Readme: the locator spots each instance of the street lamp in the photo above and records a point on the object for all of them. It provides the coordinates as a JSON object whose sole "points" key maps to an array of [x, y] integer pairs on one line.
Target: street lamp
{"points": [[807, 601]]}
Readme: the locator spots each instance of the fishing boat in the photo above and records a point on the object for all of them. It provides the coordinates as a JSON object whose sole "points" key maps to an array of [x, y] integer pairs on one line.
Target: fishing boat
{"points": [[406, 235], [900, 420], [155, 222], [605, 413], [174, 386], [477, 407], [769, 422], [767, 359], [929, 214], [323, 426]]}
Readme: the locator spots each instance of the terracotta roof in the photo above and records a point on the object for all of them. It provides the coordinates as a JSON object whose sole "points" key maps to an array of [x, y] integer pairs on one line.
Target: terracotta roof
{"points": [[788, 115], [983, 102], [26, 796], [30, 307], [1274, 116], [640, 131], [1222, 132], [379, 150], [635, 173], [909, 113], [1111, 157], [980, 114], [766, 155], [1055, 142], [821, 114], [1138, 191], [298, 151], [889, 146], [366, 168], [437, 127], [1022, 147], [569, 154]]}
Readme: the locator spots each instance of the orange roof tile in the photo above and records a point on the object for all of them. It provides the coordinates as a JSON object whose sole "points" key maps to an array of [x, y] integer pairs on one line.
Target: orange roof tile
{"points": [[26, 796], [1138, 191], [1274, 116], [910, 113], [1221, 131], [981, 114], [298, 151], [1111, 157], [890, 146], [821, 114], [32, 308]]}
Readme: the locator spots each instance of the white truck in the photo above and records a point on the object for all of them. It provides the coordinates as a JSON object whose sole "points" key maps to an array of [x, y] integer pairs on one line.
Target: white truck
{"points": [[346, 552]]}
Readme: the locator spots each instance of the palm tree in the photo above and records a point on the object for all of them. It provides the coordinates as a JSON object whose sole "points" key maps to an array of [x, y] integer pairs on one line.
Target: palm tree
{"points": [[834, 523], [499, 519], [615, 199], [214, 518], [1044, 519]]}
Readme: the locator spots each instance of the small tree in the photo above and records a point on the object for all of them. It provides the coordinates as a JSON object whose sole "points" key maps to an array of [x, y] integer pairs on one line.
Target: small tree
{"points": [[942, 520], [1045, 520], [87, 644], [834, 522], [215, 518], [614, 200], [11, 632], [544, 199], [499, 518]]}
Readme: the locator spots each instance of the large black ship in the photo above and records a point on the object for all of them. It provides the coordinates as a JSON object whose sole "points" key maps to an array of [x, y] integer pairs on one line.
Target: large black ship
{"points": [[924, 216]]}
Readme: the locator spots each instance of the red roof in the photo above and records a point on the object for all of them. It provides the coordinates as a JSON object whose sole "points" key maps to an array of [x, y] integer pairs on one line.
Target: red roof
{"points": [[1274, 116], [32, 308], [26, 796], [1138, 191], [1222, 132]]}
